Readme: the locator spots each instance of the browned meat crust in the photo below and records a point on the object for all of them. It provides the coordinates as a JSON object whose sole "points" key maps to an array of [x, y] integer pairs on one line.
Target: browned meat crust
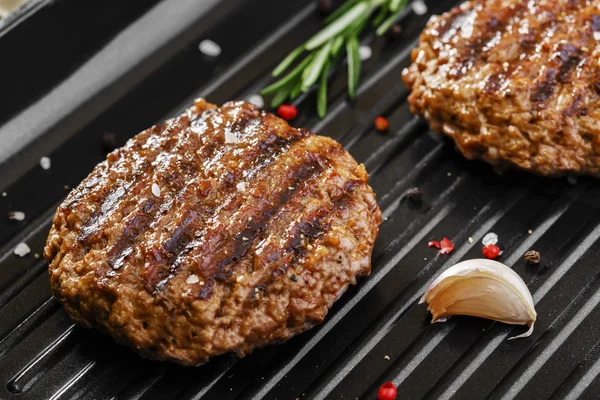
{"points": [[221, 230], [514, 82]]}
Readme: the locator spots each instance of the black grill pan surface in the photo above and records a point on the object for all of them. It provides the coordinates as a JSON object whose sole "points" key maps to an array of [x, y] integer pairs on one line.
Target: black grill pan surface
{"points": [[376, 332]]}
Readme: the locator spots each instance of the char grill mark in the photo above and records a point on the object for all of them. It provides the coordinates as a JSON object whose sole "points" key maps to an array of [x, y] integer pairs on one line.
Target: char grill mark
{"points": [[117, 198], [147, 214], [157, 272], [222, 244], [129, 169], [585, 70], [487, 39], [183, 233], [133, 228], [453, 25], [242, 241], [569, 57], [180, 238], [164, 262], [311, 227], [495, 82], [110, 203], [93, 191], [544, 88], [167, 260], [575, 108], [162, 139], [302, 234], [528, 42]]}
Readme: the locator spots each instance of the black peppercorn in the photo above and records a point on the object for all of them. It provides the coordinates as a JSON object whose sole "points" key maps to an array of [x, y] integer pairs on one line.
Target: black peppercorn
{"points": [[532, 257]]}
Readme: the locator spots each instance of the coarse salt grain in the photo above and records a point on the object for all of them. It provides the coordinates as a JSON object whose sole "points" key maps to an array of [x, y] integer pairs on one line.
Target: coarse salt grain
{"points": [[364, 52], [419, 7], [45, 162], [192, 279], [230, 137], [490, 238], [241, 186], [22, 249], [16, 215], [257, 100], [470, 239], [209, 48], [156, 190], [597, 35]]}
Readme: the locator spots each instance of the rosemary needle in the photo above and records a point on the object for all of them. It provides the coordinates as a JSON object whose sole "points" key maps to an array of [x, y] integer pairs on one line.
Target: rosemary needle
{"points": [[322, 92], [353, 65]]}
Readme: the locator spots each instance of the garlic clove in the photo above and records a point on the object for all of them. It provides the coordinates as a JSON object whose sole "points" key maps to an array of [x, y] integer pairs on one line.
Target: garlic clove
{"points": [[481, 288]]}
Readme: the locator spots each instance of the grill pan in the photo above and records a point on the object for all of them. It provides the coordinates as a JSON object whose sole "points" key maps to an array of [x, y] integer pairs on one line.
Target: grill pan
{"points": [[144, 66]]}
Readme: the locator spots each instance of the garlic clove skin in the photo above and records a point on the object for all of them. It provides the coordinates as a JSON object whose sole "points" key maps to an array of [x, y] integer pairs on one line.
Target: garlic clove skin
{"points": [[481, 288]]}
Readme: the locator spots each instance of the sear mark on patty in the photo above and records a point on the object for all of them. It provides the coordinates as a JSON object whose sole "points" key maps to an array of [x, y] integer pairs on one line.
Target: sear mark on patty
{"points": [[569, 56], [166, 260], [270, 146], [133, 228], [544, 88], [303, 235], [486, 40], [244, 240]]}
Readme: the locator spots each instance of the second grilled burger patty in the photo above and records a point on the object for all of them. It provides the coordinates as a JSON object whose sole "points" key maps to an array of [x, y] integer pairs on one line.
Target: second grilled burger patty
{"points": [[514, 82], [221, 230]]}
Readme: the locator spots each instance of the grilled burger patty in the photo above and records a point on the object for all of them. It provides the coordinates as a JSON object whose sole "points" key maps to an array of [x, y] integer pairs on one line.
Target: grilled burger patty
{"points": [[515, 83], [221, 230]]}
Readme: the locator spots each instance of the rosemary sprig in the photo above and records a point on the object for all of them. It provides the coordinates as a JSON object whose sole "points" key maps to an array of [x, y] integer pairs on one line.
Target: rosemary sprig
{"points": [[341, 33]]}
